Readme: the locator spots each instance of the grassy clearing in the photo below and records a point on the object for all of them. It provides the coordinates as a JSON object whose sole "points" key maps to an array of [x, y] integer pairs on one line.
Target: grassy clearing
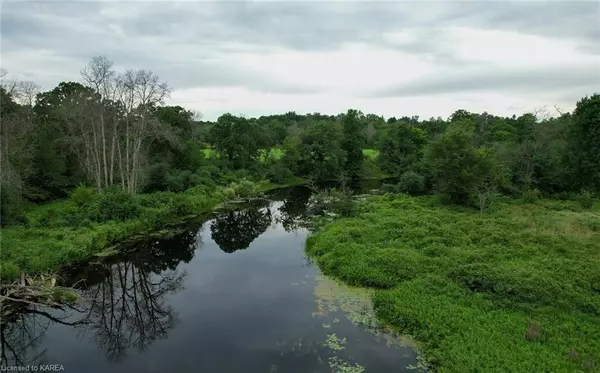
{"points": [[277, 153], [62, 232], [514, 290], [371, 153]]}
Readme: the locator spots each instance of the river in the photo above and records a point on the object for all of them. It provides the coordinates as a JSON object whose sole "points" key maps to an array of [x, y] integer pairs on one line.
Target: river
{"points": [[234, 293]]}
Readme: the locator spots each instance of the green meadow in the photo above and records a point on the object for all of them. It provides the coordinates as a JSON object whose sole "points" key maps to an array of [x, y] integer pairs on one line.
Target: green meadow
{"points": [[515, 289]]}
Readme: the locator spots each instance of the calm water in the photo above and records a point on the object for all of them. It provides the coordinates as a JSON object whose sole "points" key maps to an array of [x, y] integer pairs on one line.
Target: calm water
{"points": [[231, 294]]}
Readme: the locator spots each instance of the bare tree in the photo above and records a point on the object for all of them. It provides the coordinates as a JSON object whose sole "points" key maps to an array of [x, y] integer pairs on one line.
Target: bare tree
{"points": [[141, 92], [98, 74], [26, 92], [121, 125]]}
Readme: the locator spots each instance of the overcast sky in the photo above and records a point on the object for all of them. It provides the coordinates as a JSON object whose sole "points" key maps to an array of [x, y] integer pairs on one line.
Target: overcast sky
{"points": [[391, 58]]}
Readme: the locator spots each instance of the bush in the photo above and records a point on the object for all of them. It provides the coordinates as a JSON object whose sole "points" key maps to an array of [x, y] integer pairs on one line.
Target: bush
{"points": [[244, 188], [411, 183], [586, 199], [389, 188], [531, 195], [83, 196], [155, 200], [156, 176], [117, 205], [180, 206], [278, 173], [178, 181], [11, 206], [371, 169]]}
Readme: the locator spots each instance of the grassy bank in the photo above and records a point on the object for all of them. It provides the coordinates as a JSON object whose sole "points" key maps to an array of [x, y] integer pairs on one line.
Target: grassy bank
{"points": [[516, 289], [67, 231]]}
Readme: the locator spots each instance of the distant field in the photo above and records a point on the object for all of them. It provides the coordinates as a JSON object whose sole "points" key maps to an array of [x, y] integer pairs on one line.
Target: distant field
{"points": [[371, 153], [277, 153]]}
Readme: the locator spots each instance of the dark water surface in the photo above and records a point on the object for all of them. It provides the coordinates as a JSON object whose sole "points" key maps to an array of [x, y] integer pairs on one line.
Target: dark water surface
{"points": [[231, 294]]}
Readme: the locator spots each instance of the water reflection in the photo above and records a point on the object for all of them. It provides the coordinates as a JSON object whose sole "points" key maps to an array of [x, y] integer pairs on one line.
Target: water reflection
{"points": [[22, 331], [128, 308], [235, 230], [124, 303], [251, 312], [293, 211]]}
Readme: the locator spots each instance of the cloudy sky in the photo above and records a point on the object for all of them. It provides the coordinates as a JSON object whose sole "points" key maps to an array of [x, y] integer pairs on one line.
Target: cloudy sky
{"points": [[391, 58]]}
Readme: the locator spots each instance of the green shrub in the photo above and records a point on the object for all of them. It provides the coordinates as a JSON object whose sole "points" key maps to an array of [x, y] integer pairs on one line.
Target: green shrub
{"points": [[117, 205], [8, 271], [411, 183], [390, 188], [370, 167], [155, 200], [180, 206], [245, 188], [586, 199], [278, 173], [156, 177], [531, 195], [83, 196], [178, 181], [198, 190], [12, 206]]}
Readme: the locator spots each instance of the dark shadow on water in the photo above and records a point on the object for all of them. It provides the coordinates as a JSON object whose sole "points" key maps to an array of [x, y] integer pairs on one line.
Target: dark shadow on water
{"points": [[235, 230], [123, 303]]}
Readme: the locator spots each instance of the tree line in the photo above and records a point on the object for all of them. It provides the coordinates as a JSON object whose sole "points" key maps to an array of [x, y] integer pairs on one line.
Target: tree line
{"points": [[112, 130]]}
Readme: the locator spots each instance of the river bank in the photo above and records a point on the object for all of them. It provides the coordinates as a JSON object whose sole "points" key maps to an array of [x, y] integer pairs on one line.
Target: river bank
{"points": [[236, 285], [515, 289], [61, 233]]}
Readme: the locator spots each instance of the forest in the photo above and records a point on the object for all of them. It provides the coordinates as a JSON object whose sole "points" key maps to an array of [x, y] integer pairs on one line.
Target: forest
{"points": [[494, 212]]}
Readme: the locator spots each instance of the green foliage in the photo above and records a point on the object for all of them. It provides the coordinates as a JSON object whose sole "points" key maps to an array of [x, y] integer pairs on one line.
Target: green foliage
{"points": [[371, 169], [458, 167], [353, 142], [83, 196], [513, 290], [156, 177], [320, 155], [179, 181], [117, 205], [180, 206], [586, 199], [586, 141], [531, 195], [236, 139], [401, 148], [244, 188], [11, 206], [411, 183], [278, 173]]}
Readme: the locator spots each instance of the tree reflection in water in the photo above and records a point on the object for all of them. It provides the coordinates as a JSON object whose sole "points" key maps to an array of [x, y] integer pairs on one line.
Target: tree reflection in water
{"points": [[293, 211], [22, 330], [235, 230], [124, 303]]}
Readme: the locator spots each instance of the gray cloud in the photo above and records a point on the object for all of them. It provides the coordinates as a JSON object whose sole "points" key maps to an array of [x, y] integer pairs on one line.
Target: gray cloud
{"points": [[186, 42], [585, 77]]}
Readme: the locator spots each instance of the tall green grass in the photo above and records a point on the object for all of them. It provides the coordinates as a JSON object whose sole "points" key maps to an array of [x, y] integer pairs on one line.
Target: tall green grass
{"points": [[514, 290]]}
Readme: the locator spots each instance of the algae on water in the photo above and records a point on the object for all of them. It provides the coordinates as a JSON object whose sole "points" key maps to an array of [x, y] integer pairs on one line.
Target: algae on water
{"points": [[357, 307]]}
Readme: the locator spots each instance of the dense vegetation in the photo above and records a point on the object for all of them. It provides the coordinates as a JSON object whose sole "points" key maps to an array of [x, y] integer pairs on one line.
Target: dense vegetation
{"points": [[516, 289], [500, 269]]}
